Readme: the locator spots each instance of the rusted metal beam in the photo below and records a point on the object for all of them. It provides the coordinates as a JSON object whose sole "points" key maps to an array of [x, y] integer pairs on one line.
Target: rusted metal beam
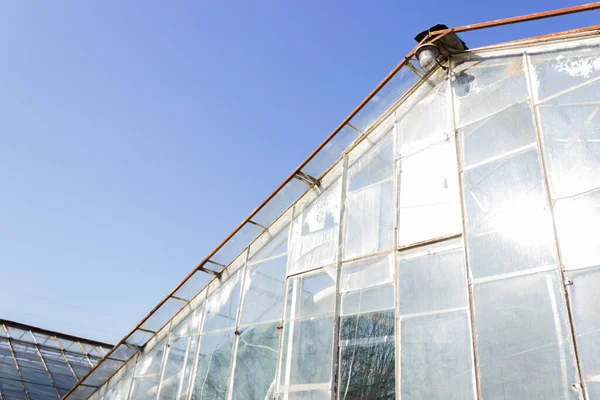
{"points": [[529, 17]]}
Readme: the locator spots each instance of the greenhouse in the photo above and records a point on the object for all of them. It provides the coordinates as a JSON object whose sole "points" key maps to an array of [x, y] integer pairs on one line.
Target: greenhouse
{"points": [[39, 364], [442, 243]]}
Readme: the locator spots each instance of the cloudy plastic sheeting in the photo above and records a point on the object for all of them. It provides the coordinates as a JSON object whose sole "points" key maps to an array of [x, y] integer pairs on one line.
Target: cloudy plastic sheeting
{"points": [[488, 172]]}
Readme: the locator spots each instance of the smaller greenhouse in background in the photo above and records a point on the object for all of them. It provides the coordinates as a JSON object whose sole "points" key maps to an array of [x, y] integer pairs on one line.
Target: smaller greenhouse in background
{"points": [[442, 243], [40, 364]]}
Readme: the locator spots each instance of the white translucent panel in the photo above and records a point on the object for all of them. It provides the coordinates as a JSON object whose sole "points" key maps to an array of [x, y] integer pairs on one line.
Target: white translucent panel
{"points": [[367, 357], [585, 297], [387, 96], [263, 291], [578, 227], [147, 373], [429, 202], [425, 118], [161, 316], [220, 310], [557, 70], [485, 86], [214, 361], [194, 285], [437, 357], [311, 294], [497, 134], [571, 141], [256, 361], [369, 226], [306, 354], [315, 232], [432, 283], [367, 285], [331, 152], [508, 222], [272, 243], [187, 324], [375, 163], [177, 370], [236, 244], [523, 339]]}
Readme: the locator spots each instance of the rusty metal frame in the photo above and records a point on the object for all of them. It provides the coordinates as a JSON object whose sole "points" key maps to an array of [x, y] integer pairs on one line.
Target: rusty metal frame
{"points": [[300, 175]]}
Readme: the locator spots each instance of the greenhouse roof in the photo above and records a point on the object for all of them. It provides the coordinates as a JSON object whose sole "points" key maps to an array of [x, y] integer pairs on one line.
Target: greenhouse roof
{"points": [[38, 363]]}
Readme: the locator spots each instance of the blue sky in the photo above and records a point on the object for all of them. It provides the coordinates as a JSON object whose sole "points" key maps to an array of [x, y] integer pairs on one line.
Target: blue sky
{"points": [[135, 136]]}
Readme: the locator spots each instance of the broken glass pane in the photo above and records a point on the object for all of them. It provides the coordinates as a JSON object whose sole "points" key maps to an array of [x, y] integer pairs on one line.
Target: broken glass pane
{"points": [[214, 361], [256, 361]]}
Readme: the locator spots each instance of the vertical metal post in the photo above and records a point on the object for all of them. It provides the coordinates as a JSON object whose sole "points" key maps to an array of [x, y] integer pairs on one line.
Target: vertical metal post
{"points": [[232, 362], [284, 308], [472, 325], [580, 386], [397, 322], [335, 374], [195, 361]]}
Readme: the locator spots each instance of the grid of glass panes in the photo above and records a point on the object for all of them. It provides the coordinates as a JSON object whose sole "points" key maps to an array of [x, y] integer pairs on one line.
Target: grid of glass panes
{"points": [[38, 364], [368, 288]]}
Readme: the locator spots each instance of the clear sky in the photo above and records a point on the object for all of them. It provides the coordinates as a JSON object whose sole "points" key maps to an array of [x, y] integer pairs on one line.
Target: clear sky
{"points": [[134, 135]]}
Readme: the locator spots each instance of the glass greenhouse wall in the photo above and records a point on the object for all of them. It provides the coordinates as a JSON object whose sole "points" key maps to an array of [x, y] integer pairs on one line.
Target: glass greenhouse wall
{"points": [[450, 253]]}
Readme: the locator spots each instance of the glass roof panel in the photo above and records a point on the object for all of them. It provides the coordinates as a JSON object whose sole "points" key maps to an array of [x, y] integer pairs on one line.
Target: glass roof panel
{"points": [[163, 314], [193, 286], [236, 244]]}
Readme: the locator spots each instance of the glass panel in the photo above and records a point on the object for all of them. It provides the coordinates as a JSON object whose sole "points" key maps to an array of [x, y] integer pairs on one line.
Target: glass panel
{"points": [[214, 361], [103, 372], [123, 352], [429, 205], [432, 283], [20, 334], [306, 395], [190, 325], [222, 304], [180, 361], [139, 338], [193, 286], [369, 225], [80, 364], [265, 286], [163, 314], [523, 339], [236, 244], [271, 244], [497, 134], [508, 223], [331, 152], [560, 70], [119, 385], [64, 381], [571, 141], [437, 358], [46, 340], [280, 202], [9, 371], [147, 373], [367, 356], [389, 94], [315, 233], [485, 86], [585, 297], [367, 285], [311, 294], [12, 389], [578, 227], [256, 360], [36, 376], [425, 117], [39, 392], [307, 353]]}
